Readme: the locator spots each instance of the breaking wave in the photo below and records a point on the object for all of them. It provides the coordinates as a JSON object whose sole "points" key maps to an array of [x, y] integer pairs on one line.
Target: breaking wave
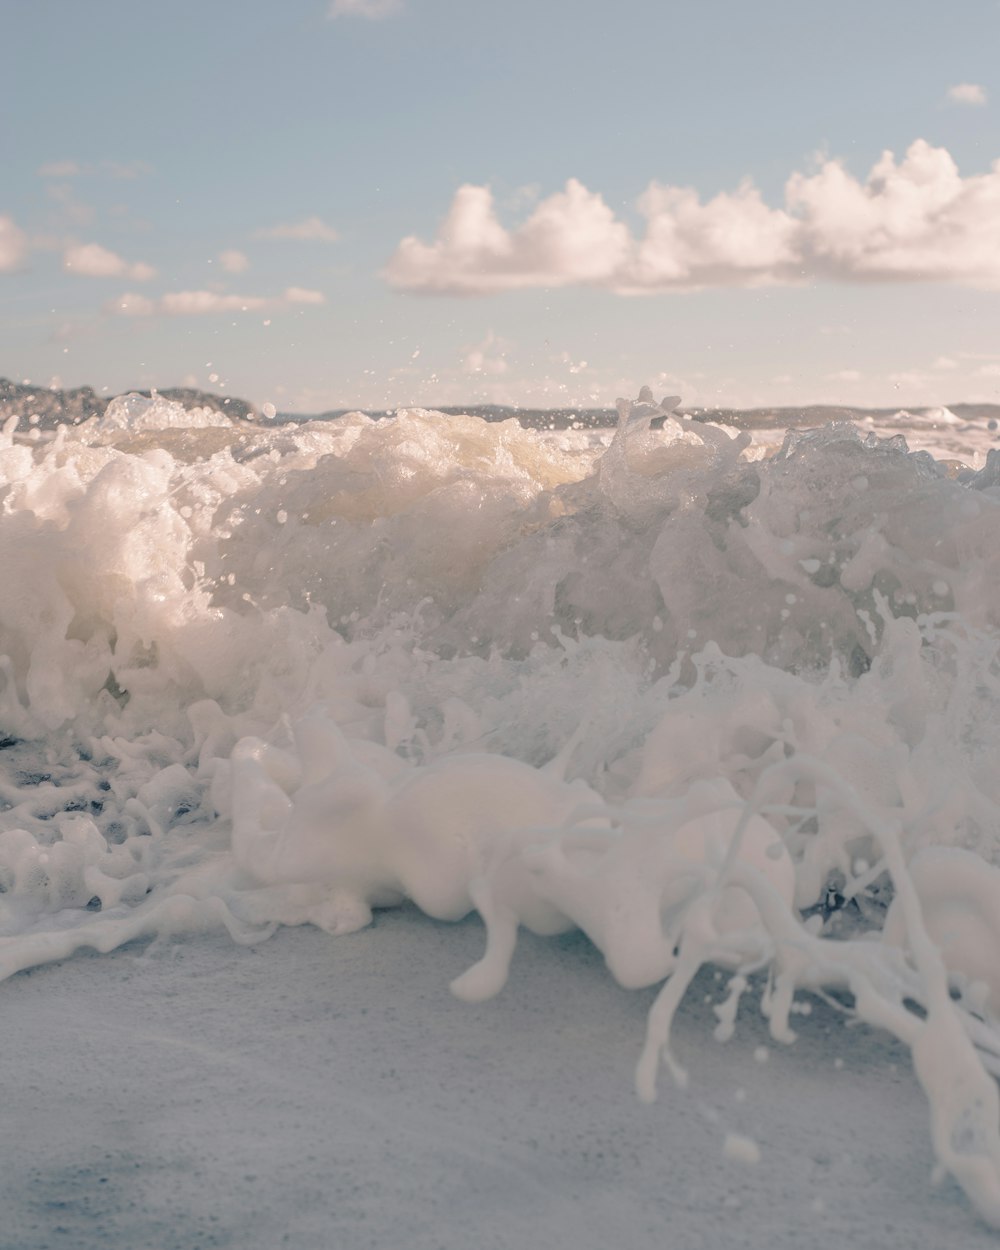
{"points": [[705, 707]]}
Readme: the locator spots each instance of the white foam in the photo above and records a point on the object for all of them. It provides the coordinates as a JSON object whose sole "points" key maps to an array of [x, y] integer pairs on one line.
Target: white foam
{"points": [[741, 1149], [705, 708]]}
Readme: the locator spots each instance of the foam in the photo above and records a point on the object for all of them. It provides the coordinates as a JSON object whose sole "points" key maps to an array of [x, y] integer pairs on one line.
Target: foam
{"points": [[704, 707]]}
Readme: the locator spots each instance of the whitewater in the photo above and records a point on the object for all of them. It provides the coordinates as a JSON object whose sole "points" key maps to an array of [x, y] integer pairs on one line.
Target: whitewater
{"points": [[719, 713]]}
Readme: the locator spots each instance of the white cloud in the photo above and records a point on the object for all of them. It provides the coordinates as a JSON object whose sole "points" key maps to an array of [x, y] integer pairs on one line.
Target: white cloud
{"points": [[202, 303], [131, 305], [301, 295], [313, 229], [59, 169], [916, 219], [208, 303], [845, 375], [945, 362], [113, 169], [233, 261], [988, 371], [71, 209], [570, 237], [126, 169], [909, 378], [487, 357], [373, 9], [967, 93], [91, 260], [13, 244], [731, 239]]}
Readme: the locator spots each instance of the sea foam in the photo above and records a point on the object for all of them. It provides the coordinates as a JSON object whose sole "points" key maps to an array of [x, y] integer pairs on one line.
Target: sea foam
{"points": [[706, 707]]}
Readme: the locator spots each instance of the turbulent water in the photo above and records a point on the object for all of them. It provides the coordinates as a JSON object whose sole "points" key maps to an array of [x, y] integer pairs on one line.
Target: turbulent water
{"points": [[704, 700]]}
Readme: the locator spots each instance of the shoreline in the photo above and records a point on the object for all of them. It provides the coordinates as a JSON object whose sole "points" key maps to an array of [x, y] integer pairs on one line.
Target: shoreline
{"points": [[315, 1092]]}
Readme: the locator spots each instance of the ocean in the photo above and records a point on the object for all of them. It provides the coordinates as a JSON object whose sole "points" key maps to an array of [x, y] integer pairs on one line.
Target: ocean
{"points": [[711, 696]]}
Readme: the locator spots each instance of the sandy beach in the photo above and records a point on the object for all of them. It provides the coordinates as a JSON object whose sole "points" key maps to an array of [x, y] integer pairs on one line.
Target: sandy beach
{"points": [[321, 1093]]}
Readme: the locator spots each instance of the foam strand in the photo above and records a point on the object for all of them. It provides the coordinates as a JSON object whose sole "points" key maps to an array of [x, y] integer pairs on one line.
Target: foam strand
{"points": [[963, 1098], [175, 914]]}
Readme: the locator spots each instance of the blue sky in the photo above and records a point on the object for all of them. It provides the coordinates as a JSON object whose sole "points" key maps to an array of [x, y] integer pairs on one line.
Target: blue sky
{"points": [[333, 203]]}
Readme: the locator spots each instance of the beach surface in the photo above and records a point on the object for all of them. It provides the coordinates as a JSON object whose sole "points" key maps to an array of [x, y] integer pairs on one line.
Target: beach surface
{"points": [[320, 1093]]}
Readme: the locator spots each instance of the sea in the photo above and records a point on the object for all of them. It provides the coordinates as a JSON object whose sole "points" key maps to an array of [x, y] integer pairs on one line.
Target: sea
{"points": [[710, 693]]}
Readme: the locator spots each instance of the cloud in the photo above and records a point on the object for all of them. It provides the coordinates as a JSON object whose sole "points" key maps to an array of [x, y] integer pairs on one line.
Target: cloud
{"points": [[71, 209], [734, 239], [73, 331], [915, 220], [90, 260], [967, 93], [487, 357], [845, 375], [126, 169], [131, 305], [202, 303], [13, 244], [59, 169], [113, 169], [912, 220], [313, 229], [909, 378], [233, 261], [372, 9], [571, 237], [301, 295], [208, 303]]}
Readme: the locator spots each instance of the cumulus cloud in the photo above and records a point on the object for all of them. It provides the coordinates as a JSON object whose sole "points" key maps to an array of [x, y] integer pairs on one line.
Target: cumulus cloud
{"points": [[91, 260], [208, 303], [372, 9], [916, 219], [312, 229], [13, 244], [233, 261], [570, 237], [967, 93], [734, 239]]}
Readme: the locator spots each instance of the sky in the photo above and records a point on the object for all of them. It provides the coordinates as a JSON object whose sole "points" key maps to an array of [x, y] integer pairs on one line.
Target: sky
{"points": [[378, 203]]}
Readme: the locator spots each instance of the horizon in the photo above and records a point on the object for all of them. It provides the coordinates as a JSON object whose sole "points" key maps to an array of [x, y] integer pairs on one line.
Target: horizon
{"points": [[473, 407], [387, 203]]}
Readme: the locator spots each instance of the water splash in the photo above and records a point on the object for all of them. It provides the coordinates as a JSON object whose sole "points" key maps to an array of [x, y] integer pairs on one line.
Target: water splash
{"points": [[707, 709]]}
